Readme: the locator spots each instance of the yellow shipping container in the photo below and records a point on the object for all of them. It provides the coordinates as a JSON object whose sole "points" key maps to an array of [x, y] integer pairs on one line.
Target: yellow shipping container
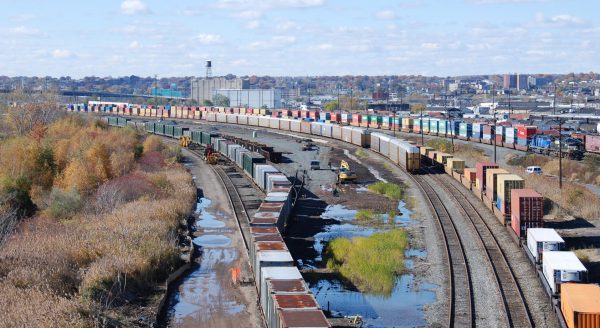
{"points": [[456, 164], [491, 178], [442, 158], [506, 183], [425, 151], [580, 305]]}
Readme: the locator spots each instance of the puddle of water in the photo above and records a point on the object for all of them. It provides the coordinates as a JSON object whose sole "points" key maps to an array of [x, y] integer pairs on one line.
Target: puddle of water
{"points": [[207, 220], [212, 241], [404, 308], [373, 171], [200, 296]]}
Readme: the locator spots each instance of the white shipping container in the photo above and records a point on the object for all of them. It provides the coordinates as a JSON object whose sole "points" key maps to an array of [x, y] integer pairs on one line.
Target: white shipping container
{"points": [[274, 123], [231, 151], [276, 178], [266, 259], [327, 130], [541, 240], [560, 267], [276, 273], [260, 171]]}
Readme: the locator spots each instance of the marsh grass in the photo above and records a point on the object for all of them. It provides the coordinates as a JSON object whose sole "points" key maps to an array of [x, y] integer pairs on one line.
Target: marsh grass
{"points": [[370, 263], [360, 153], [391, 190]]}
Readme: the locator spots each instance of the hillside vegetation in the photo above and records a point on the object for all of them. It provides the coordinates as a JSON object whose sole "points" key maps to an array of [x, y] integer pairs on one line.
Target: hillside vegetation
{"points": [[97, 214]]}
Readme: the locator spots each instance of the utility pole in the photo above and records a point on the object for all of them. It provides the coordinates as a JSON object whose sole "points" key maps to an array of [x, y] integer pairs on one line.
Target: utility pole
{"points": [[554, 101], [421, 121], [560, 154], [495, 122], [339, 108]]}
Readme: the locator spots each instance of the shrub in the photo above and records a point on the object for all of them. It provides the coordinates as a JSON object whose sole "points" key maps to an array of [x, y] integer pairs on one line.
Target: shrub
{"points": [[365, 215], [64, 204], [153, 144], [360, 153], [391, 190]]}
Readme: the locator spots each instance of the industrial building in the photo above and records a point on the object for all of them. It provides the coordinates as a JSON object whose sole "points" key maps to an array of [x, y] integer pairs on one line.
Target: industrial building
{"points": [[255, 98], [203, 89]]}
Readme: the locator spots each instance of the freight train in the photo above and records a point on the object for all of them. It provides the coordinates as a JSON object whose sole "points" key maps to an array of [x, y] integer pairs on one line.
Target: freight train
{"points": [[285, 298], [561, 272], [516, 136]]}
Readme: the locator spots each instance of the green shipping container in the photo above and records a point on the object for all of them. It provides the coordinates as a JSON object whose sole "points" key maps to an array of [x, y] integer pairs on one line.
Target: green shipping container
{"points": [[150, 127], [250, 159], [159, 128], [179, 131], [197, 136], [169, 130], [375, 119]]}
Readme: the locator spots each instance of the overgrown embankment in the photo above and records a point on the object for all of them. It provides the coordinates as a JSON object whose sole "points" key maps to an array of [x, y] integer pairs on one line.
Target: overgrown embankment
{"points": [[100, 210]]}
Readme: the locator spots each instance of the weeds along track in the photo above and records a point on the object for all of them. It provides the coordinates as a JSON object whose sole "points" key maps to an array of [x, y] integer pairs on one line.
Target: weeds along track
{"points": [[517, 313], [461, 307]]}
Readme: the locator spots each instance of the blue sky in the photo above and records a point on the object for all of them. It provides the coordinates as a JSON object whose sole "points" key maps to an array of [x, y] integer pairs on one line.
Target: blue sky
{"points": [[297, 37]]}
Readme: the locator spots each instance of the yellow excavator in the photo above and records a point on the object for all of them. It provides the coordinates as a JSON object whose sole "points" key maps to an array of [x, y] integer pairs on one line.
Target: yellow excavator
{"points": [[345, 174], [185, 141]]}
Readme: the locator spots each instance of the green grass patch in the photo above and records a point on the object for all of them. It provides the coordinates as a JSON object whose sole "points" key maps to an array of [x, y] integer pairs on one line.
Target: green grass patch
{"points": [[370, 263], [391, 190], [366, 215], [360, 153]]}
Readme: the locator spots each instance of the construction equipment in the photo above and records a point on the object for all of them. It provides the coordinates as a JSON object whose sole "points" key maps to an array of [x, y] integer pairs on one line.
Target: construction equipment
{"points": [[356, 320], [185, 141], [345, 174], [210, 155]]}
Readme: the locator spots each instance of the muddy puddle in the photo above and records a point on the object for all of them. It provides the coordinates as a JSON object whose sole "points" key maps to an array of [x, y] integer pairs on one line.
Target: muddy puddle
{"points": [[199, 296], [402, 308]]}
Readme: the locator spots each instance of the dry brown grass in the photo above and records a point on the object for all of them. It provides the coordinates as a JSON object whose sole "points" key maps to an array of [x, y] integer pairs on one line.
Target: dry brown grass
{"points": [[73, 268], [575, 199], [585, 171]]}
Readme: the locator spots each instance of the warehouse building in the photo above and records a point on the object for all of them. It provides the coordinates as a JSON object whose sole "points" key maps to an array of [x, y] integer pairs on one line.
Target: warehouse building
{"points": [[203, 89], [255, 98]]}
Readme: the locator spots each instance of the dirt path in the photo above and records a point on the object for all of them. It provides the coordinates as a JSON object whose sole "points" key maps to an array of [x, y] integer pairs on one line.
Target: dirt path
{"points": [[206, 297]]}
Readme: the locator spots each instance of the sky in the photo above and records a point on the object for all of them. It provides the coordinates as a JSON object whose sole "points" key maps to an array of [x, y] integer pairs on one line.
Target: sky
{"points": [[297, 37]]}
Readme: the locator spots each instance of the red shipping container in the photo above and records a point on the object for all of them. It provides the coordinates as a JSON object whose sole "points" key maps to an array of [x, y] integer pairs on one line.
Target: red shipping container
{"points": [[592, 143], [432, 154], [356, 119], [527, 210], [335, 117], [295, 113], [470, 174], [487, 129], [498, 139], [314, 115], [526, 132], [480, 169]]}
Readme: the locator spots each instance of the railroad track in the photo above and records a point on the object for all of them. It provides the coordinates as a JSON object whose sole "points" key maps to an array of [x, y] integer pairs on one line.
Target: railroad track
{"points": [[515, 307], [461, 305], [235, 199]]}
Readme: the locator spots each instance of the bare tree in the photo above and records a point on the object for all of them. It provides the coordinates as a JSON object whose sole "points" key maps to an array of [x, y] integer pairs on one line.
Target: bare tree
{"points": [[108, 197], [8, 217], [27, 111]]}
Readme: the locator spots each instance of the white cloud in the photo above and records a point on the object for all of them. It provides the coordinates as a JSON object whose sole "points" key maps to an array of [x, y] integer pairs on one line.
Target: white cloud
{"points": [[61, 54], [287, 39], [247, 14], [563, 20], [239, 62], [488, 2], [135, 45], [252, 24], [430, 46], [268, 4], [134, 7], [325, 46], [385, 14], [208, 39], [23, 31], [189, 12]]}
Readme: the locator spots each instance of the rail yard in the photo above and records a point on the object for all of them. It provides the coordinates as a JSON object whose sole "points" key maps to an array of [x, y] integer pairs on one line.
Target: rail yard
{"points": [[469, 231]]}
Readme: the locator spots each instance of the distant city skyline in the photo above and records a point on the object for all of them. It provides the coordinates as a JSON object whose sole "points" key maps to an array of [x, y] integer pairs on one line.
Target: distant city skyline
{"points": [[298, 37]]}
